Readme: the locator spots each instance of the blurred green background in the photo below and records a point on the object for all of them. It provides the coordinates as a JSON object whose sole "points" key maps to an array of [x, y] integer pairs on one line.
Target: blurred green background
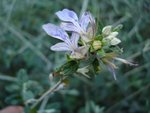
{"points": [[26, 60]]}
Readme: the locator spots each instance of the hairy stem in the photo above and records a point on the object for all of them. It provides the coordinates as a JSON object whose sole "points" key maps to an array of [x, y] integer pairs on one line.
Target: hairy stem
{"points": [[51, 90]]}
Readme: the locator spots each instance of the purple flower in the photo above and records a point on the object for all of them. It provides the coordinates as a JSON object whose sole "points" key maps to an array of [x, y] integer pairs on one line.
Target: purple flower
{"points": [[68, 44], [85, 26]]}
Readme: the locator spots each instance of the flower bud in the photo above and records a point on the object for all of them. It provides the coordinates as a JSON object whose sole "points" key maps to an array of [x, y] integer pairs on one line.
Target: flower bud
{"points": [[107, 30], [115, 41], [97, 45]]}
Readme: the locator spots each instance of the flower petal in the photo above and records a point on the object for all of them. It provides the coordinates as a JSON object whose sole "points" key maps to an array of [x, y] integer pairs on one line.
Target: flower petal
{"points": [[112, 70], [114, 34], [125, 61], [109, 37], [74, 39], [90, 32], [93, 23], [80, 52], [67, 15], [60, 47], [76, 55], [115, 41], [55, 31], [70, 27], [84, 21], [84, 49]]}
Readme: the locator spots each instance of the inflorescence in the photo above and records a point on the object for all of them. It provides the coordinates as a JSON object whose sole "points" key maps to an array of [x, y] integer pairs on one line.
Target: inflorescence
{"points": [[89, 47]]}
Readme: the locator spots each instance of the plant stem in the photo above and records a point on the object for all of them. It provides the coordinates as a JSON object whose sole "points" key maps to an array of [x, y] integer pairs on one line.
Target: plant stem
{"points": [[51, 90]]}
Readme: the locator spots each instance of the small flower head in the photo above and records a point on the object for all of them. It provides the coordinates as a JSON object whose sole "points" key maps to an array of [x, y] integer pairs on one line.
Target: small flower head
{"points": [[85, 43], [110, 35], [107, 30], [96, 44]]}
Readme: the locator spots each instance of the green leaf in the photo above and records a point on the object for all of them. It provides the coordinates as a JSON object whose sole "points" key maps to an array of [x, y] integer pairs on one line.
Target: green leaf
{"points": [[12, 88], [34, 86], [87, 61], [96, 65], [27, 95], [105, 43], [69, 67], [99, 37], [101, 53], [13, 99], [22, 76]]}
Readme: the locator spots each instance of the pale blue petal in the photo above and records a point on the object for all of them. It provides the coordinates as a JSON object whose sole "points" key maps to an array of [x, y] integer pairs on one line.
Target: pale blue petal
{"points": [[55, 31], [112, 70], [60, 47], [93, 23], [83, 49], [67, 15], [85, 19], [74, 39], [92, 19], [125, 61], [70, 27], [80, 52]]}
